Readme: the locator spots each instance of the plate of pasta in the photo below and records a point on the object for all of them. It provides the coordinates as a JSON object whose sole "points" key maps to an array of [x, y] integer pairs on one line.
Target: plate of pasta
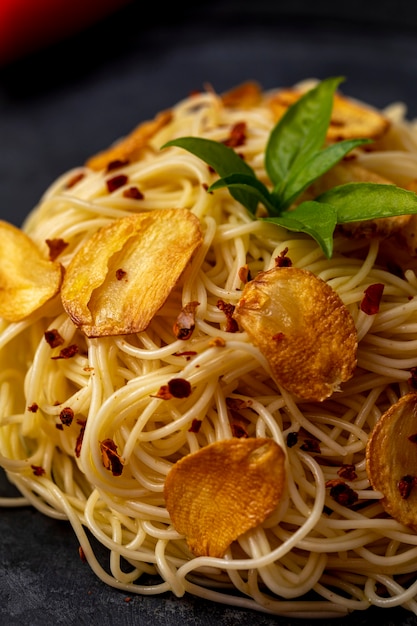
{"points": [[208, 368]]}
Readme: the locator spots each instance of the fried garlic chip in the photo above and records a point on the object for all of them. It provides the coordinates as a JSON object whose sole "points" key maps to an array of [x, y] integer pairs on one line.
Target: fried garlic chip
{"points": [[349, 119], [391, 460], [215, 495], [302, 327], [123, 274], [246, 95], [27, 278], [129, 148]]}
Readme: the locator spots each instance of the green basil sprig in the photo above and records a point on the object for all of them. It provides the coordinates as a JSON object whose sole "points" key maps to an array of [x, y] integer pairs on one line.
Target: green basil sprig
{"points": [[294, 159]]}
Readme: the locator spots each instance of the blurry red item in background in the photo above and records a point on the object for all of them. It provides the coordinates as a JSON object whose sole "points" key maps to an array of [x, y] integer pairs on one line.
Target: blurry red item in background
{"points": [[28, 25]]}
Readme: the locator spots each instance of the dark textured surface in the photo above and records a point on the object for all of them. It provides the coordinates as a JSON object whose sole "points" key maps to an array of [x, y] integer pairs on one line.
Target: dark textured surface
{"points": [[66, 102]]}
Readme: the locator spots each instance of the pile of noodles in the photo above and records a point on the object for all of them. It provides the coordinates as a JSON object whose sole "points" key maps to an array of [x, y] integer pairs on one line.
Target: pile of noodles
{"points": [[313, 557]]}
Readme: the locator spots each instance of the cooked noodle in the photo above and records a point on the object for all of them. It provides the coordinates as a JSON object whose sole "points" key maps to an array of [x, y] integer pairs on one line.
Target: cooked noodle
{"points": [[313, 557]]}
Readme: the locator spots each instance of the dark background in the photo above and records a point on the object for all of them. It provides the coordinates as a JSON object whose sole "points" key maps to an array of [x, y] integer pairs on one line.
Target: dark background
{"points": [[68, 100]]}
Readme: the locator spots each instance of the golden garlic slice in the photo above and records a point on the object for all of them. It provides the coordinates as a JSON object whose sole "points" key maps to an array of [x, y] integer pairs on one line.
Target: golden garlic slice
{"points": [[216, 494], [27, 278], [245, 95], [349, 119], [391, 460], [302, 327], [130, 147], [123, 274]]}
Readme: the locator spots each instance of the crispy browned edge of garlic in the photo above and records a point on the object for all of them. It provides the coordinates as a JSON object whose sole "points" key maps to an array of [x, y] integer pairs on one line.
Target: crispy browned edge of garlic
{"points": [[226, 488], [27, 279], [391, 460], [303, 329], [129, 148]]}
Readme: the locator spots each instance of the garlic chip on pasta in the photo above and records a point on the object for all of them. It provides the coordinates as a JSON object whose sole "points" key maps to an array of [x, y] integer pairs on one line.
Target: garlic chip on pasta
{"points": [[162, 432], [123, 274], [27, 279], [226, 488], [130, 147], [391, 459], [350, 119], [302, 327]]}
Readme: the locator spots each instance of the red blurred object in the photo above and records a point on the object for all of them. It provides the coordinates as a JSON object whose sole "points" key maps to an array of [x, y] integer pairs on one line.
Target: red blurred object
{"points": [[28, 25]]}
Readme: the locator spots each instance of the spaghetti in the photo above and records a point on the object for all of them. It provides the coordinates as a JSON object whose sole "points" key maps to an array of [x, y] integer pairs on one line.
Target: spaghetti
{"points": [[315, 555]]}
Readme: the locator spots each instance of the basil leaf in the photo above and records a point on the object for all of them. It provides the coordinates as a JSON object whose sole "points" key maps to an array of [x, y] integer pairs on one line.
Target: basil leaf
{"points": [[222, 159], [300, 132], [318, 164], [248, 185], [356, 202], [316, 219], [295, 158]]}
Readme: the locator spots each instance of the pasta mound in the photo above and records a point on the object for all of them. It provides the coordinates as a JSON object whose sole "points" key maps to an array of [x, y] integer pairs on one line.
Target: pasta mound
{"points": [[90, 427]]}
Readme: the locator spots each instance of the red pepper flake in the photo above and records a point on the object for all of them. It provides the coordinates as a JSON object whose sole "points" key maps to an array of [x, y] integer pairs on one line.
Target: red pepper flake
{"points": [[75, 179], [228, 309], [120, 274], [115, 164], [311, 445], [133, 193], [244, 274], [67, 353], [292, 439], [128, 599], [195, 426], [79, 440], [342, 493], [82, 554], [110, 457], [179, 388], [59, 427], [38, 470], [163, 393], [372, 299], [237, 135], [176, 388], [406, 484], [185, 323], [347, 471], [282, 260], [66, 416], [115, 182], [278, 337], [53, 338], [33, 407], [56, 246]]}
